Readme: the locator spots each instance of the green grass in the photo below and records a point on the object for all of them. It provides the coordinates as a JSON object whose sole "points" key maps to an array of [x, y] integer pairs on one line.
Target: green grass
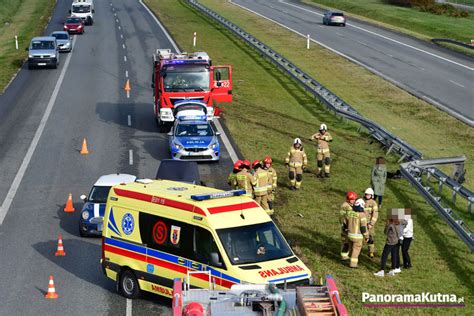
{"points": [[26, 19], [269, 110], [408, 20]]}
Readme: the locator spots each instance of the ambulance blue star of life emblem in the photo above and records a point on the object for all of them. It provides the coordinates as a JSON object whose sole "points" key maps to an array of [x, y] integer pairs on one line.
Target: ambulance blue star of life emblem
{"points": [[128, 224]]}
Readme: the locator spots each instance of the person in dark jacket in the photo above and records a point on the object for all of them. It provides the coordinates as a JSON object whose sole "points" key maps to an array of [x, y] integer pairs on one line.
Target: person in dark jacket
{"points": [[378, 179], [393, 230]]}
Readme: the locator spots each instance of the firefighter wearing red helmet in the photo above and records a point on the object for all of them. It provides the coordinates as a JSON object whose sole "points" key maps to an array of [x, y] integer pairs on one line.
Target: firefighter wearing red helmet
{"points": [[357, 232], [245, 180], [232, 178], [345, 208], [260, 189], [323, 156], [272, 181], [296, 161]]}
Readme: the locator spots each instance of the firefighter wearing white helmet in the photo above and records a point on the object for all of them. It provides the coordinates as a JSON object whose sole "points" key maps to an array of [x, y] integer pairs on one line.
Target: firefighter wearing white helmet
{"points": [[296, 161], [357, 233], [323, 155], [372, 213]]}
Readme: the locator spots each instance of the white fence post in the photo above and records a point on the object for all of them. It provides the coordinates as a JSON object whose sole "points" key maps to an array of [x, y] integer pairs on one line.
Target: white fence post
{"points": [[194, 39], [307, 42], [16, 42]]}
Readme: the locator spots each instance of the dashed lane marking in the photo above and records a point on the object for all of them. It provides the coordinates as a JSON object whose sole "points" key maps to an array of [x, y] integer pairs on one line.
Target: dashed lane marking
{"points": [[125, 58], [129, 120], [130, 157]]}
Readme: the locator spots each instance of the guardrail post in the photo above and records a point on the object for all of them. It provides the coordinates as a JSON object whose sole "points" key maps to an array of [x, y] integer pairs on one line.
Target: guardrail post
{"points": [[440, 187], [16, 42], [307, 41], [454, 196]]}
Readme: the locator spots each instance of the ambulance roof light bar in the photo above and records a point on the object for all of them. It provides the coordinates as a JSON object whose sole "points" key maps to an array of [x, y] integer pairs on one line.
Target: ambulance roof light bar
{"points": [[218, 195]]}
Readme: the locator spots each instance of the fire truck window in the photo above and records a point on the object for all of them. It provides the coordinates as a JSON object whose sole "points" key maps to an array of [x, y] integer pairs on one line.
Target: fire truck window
{"points": [[224, 74]]}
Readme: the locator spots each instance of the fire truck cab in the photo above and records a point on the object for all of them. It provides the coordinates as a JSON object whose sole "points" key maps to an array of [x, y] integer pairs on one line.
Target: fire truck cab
{"points": [[188, 76]]}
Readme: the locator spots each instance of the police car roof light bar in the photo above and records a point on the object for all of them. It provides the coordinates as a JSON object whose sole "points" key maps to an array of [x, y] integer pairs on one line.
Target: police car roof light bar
{"points": [[218, 195]]}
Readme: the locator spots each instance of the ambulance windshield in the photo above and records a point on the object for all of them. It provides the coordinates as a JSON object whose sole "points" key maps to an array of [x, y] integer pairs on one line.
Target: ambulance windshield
{"points": [[254, 243], [99, 194]]}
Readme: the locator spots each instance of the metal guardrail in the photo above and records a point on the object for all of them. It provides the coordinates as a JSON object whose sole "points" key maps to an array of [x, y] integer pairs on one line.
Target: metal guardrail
{"points": [[328, 98], [343, 109], [451, 41], [414, 170]]}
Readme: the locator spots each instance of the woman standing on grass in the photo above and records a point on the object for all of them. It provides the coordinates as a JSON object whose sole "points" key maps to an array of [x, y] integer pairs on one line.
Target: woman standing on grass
{"points": [[378, 179], [393, 231], [407, 238]]}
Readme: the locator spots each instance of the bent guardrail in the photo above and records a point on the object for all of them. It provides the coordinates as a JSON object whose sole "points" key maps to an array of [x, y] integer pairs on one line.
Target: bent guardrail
{"points": [[343, 109]]}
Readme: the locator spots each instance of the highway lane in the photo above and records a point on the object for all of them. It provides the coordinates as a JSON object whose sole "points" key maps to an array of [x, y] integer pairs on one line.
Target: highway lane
{"points": [[90, 103], [441, 78]]}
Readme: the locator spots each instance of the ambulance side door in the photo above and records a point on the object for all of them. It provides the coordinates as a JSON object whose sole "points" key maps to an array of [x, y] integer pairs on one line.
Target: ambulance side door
{"points": [[221, 83]]}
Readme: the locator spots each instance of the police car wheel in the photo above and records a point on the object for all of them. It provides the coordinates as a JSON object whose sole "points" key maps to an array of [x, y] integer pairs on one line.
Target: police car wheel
{"points": [[128, 285]]}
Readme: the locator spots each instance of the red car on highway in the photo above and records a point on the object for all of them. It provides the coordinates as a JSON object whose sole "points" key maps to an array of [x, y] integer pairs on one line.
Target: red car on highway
{"points": [[74, 25]]}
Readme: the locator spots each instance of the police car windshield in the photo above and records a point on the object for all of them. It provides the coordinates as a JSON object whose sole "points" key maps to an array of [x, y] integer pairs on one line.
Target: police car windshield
{"points": [[81, 9], [189, 130], [254, 243], [189, 78], [99, 194]]}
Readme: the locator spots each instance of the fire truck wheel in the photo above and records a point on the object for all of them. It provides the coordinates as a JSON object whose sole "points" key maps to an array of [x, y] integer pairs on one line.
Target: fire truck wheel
{"points": [[128, 285]]}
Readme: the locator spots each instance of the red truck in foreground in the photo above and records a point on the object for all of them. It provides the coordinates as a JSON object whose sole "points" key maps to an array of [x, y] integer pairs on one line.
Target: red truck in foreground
{"points": [[188, 76]]}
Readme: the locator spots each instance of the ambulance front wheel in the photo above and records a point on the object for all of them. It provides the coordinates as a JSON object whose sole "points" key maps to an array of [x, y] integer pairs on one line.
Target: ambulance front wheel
{"points": [[128, 285]]}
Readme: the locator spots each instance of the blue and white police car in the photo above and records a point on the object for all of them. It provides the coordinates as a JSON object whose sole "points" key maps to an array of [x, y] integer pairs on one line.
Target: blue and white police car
{"points": [[192, 136], [92, 214]]}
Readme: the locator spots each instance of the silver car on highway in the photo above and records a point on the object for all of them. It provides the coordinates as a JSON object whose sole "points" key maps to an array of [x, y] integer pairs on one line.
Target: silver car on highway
{"points": [[337, 18], [63, 40]]}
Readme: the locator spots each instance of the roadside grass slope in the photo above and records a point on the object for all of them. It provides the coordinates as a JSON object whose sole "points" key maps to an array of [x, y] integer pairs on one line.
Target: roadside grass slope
{"points": [[268, 111], [26, 19]]}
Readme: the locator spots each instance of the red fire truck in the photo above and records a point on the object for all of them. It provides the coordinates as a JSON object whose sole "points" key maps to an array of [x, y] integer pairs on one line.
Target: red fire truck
{"points": [[188, 76]]}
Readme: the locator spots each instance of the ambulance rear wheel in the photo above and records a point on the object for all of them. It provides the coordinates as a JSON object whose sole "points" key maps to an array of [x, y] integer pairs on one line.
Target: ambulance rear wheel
{"points": [[128, 285]]}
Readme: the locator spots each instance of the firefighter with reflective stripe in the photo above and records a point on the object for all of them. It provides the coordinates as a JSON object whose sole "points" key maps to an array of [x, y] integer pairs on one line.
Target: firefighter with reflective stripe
{"points": [[272, 181], [260, 189], [296, 161], [323, 156], [357, 231], [372, 213], [245, 179], [345, 208], [232, 178]]}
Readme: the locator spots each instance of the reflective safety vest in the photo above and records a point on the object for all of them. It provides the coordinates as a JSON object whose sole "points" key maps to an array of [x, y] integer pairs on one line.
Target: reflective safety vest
{"points": [[296, 157], [323, 141], [371, 211], [232, 180], [272, 179], [261, 182], [356, 224], [245, 181], [345, 207]]}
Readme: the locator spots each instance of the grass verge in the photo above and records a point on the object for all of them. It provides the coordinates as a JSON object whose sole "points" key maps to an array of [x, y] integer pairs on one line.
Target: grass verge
{"points": [[269, 110], [410, 21], [25, 19]]}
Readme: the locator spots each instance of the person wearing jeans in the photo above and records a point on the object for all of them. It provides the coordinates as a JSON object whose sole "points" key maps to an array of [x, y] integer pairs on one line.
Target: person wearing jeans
{"points": [[392, 230]]}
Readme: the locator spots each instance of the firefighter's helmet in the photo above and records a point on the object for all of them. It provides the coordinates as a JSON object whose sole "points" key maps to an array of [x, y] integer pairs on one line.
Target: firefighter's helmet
{"points": [[246, 164], [238, 164], [297, 141], [369, 191], [267, 160], [351, 196], [256, 164], [323, 127], [359, 205]]}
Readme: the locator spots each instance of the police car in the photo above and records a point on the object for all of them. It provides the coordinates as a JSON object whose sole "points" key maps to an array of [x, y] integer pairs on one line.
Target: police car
{"points": [[192, 136], [92, 214]]}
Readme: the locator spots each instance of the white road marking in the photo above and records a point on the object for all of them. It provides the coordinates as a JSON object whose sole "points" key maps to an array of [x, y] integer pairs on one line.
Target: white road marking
{"points": [[128, 94], [128, 310], [123, 46], [457, 83], [119, 27], [125, 58], [224, 137], [126, 73], [161, 26], [384, 37], [339, 34], [115, 14], [116, 20], [7, 202], [121, 35], [362, 43], [129, 120], [130, 161]]}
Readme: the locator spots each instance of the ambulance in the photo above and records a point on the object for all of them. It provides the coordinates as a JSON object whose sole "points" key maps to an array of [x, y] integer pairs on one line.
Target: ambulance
{"points": [[158, 230]]}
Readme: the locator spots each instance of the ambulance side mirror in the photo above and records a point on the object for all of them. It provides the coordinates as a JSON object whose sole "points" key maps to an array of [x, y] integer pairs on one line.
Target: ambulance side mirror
{"points": [[215, 260], [170, 134], [84, 197]]}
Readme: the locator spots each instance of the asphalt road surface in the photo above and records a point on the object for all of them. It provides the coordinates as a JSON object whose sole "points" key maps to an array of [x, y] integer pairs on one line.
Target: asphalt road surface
{"points": [[45, 115], [440, 77]]}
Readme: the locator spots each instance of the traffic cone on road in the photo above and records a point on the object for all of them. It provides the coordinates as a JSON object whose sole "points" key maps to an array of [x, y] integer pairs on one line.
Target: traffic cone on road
{"points": [[60, 251], [51, 290], [69, 207], [84, 150]]}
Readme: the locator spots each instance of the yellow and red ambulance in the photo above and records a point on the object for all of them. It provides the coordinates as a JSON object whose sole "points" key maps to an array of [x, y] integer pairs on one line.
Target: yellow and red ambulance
{"points": [[158, 230]]}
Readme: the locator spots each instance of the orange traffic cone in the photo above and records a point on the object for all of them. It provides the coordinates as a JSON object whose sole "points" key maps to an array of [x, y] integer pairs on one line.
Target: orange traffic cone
{"points": [[69, 207], [84, 150], [51, 290], [60, 251], [127, 87]]}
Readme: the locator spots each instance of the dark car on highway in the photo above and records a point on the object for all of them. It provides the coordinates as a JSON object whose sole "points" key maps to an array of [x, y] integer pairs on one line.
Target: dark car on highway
{"points": [[334, 18], [74, 25]]}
